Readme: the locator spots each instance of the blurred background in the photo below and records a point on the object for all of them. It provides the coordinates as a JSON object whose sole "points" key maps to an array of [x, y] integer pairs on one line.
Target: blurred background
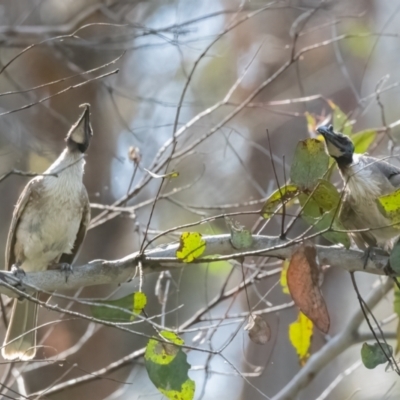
{"points": [[243, 67]]}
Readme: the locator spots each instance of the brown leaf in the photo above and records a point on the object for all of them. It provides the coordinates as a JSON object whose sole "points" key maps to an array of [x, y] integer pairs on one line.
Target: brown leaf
{"points": [[259, 330], [302, 280]]}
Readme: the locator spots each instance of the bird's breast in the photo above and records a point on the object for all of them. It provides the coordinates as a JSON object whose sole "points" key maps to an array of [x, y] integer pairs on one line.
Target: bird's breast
{"points": [[49, 224]]}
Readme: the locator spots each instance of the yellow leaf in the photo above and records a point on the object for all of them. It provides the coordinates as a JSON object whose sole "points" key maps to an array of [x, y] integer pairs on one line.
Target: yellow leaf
{"points": [[192, 246], [283, 280], [390, 206], [186, 393], [300, 334], [167, 367], [280, 196], [162, 352], [139, 302], [326, 195], [311, 123]]}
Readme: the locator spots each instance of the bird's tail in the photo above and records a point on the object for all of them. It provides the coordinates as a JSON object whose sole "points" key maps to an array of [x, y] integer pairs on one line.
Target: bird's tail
{"points": [[23, 319]]}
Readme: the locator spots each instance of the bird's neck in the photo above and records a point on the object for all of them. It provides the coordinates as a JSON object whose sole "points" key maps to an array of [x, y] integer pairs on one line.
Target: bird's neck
{"points": [[69, 163], [344, 162]]}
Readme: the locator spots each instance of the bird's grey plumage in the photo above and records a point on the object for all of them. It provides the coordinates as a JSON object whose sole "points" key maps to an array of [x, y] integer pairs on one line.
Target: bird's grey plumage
{"points": [[48, 226], [365, 178]]}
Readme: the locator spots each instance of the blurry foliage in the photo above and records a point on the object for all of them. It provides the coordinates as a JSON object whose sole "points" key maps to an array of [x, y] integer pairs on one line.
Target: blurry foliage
{"points": [[359, 46], [216, 71]]}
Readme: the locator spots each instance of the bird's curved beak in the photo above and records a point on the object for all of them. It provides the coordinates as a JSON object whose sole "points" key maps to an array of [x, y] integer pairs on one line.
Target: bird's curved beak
{"points": [[81, 132], [337, 145], [328, 133]]}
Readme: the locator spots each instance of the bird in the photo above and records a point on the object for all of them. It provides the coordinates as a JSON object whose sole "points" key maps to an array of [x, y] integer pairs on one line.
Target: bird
{"points": [[365, 178], [48, 227]]}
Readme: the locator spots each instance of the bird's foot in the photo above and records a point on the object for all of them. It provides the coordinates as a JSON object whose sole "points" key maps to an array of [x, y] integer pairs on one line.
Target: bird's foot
{"points": [[17, 271], [370, 253], [19, 274], [66, 268], [366, 256]]}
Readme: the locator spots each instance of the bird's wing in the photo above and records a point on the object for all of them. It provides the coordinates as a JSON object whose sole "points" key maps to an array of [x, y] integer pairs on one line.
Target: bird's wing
{"points": [[23, 200], [69, 258], [351, 221], [391, 172]]}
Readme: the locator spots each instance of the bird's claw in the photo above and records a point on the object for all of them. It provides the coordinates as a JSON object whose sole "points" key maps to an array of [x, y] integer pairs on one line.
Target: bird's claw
{"points": [[19, 274], [17, 271], [368, 252], [66, 268]]}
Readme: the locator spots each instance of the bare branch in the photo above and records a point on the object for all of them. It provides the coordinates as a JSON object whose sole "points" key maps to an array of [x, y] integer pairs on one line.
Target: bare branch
{"points": [[162, 258]]}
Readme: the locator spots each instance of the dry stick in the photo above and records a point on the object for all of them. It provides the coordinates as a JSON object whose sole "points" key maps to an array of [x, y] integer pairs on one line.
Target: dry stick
{"points": [[63, 79], [274, 76], [62, 37], [43, 99], [143, 247], [20, 173], [283, 233], [14, 30], [157, 165]]}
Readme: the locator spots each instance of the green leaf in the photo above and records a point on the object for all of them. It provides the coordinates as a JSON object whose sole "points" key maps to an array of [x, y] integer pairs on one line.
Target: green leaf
{"points": [[372, 354], [192, 246], [310, 163], [321, 219], [340, 121], [241, 238], [389, 205], [120, 310], [276, 199], [362, 140], [167, 366], [362, 42], [325, 195]]}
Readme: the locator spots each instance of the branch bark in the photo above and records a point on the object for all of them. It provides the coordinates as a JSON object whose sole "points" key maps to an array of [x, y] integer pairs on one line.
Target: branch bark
{"points": [[218, 247]]}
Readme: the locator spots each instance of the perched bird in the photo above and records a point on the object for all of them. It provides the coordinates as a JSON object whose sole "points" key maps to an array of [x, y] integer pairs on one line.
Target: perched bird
{"points": [[366, 178], [47, 229]]}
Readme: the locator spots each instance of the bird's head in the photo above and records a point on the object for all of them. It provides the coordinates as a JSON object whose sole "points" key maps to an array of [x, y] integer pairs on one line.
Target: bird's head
{"points": [[338, 146], [81, 132]]}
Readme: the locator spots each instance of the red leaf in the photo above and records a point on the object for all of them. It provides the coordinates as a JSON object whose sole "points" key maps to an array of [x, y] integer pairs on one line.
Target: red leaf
{"points": [[302, 280]]}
